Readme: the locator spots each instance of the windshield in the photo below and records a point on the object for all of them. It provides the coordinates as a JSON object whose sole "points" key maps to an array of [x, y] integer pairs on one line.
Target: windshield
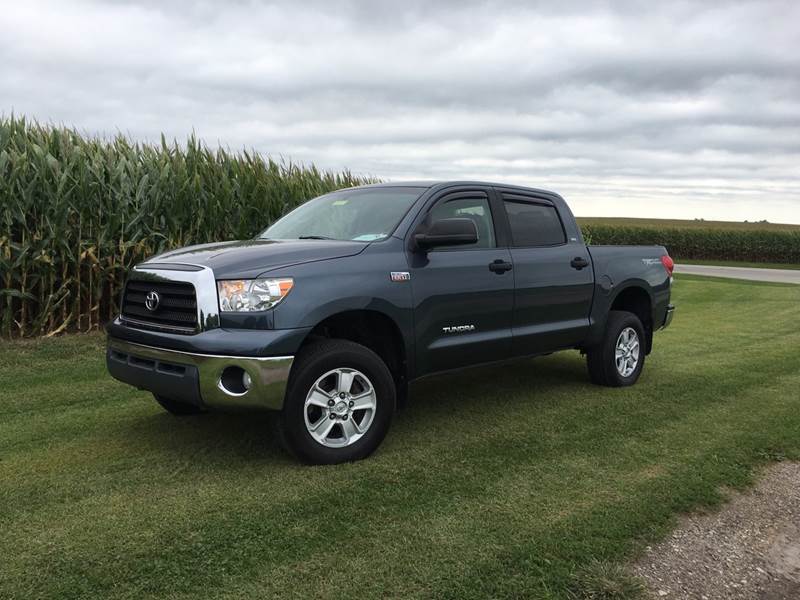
{"points": [[365, 215]]}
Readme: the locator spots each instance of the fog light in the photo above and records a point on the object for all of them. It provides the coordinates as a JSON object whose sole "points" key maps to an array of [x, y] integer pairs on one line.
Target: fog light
{"points": [[234, 381]]}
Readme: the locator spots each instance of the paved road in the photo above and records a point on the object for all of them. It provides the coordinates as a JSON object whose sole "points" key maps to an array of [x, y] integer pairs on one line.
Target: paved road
{"points": [[779, 275]]}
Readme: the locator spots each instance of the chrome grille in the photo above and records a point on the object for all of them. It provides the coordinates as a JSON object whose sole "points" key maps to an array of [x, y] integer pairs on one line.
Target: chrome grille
{"points": [[176, 310]]}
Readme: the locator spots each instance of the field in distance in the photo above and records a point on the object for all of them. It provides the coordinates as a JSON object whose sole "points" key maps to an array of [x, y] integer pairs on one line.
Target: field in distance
{"points": [[686, 223]]}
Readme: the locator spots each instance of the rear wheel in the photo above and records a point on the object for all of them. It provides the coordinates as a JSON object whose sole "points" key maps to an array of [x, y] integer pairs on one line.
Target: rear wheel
{"points": [[178, 408], [618, 359], [339, 404]]}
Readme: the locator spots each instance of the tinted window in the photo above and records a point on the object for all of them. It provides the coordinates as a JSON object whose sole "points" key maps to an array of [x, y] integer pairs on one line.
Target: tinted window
{"points": [[534, 224], [476, 209]]}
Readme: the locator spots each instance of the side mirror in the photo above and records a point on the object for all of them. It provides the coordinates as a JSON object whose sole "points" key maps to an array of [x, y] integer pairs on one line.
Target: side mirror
{"points": [[455, 231]]}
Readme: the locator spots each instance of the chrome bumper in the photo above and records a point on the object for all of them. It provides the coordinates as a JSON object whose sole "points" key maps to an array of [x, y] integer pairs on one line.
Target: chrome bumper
{"points": [[198, 378]]}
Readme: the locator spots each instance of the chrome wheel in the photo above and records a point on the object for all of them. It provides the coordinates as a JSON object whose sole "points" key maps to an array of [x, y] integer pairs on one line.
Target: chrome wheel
{"points": [[626, 353], [340, 407]]}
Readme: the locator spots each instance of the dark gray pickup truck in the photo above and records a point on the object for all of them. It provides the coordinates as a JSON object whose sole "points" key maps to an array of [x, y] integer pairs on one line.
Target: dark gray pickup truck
{"points": [[330, 313]]}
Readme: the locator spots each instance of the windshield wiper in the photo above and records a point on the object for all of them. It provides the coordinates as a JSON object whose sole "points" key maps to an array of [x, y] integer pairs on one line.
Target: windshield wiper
{"points": [[314, 237]]}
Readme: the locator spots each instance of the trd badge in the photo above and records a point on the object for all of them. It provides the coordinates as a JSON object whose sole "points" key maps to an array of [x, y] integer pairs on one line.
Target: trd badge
{"points": [[400, 276]]}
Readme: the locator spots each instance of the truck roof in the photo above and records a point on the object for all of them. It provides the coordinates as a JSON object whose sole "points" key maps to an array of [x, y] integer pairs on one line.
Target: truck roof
{"points": [[455, 182]]}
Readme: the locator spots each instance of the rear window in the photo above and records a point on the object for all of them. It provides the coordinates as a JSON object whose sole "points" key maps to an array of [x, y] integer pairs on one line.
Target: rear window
{"points": [[534, 224]]}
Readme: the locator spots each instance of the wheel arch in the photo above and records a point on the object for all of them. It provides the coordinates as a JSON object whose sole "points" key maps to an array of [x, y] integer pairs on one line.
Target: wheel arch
{"points": [[637, 299], [371, 328]]}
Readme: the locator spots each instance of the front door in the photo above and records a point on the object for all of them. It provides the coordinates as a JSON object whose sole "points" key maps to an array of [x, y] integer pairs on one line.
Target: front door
{"points": [[463, 295]]}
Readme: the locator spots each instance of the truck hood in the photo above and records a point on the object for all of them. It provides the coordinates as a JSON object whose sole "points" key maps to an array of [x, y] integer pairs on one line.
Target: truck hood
{"points": [[247, 259]]}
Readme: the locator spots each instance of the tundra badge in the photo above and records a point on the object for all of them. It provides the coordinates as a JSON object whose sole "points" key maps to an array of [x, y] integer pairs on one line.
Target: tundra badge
{"points": [[458, 328]]}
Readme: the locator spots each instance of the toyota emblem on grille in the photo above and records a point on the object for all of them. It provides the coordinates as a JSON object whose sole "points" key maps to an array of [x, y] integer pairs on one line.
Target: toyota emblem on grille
{"points": [[152, 300]]}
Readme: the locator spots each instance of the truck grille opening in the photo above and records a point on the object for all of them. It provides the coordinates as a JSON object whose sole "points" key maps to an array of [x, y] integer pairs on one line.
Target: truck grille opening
{"points": [[175, 308]]}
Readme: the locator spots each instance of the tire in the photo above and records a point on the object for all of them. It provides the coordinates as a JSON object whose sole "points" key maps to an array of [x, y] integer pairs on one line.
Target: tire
{"points": [[179, 409], [604, 368], [326, 417]]}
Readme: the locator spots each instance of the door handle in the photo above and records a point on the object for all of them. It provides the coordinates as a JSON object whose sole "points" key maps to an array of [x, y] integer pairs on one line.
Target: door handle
{"points": [[500, 266], [579, 262]]}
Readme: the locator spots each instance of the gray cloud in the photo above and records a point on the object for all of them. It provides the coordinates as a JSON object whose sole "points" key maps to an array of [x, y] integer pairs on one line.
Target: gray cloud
{"points": [[686, 109]]}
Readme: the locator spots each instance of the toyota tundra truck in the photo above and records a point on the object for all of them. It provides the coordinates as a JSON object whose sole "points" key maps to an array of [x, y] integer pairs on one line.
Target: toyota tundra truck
{"points": [[329, 313]]}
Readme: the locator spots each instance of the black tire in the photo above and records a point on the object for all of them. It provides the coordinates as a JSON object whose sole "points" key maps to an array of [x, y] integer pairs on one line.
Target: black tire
{"points": [[179, 409], [601, 358], [315, 361]]}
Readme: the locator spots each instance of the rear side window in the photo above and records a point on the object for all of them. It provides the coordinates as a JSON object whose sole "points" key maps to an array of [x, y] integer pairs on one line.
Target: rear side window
{"points": [[534, 224]]}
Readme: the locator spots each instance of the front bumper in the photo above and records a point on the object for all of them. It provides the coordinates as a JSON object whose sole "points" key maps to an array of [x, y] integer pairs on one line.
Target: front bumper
{"points": [[198, 378]]}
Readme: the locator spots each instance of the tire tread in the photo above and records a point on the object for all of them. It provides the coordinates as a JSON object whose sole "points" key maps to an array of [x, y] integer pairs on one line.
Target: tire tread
{"points": [[600, 358], [291, 432]]}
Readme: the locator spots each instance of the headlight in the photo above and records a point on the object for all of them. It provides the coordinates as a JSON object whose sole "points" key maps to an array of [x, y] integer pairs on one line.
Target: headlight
{"points": [[247, 295]]}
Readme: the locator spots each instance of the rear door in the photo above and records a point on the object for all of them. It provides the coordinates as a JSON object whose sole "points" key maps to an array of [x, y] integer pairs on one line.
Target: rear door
{"points": [[553, 290], [463, 295]]}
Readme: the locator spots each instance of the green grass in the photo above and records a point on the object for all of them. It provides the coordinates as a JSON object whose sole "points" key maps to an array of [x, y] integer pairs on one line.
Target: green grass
{"points": [[687, 223], [507, 482], [738, 263]]}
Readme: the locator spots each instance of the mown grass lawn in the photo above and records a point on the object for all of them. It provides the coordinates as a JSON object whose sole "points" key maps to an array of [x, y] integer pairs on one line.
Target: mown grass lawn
{"points": [[514, 481]]}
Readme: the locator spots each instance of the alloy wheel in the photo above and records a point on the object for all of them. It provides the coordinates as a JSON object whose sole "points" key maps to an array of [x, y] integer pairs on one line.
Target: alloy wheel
{"points": [[340, 407], [626, 353]]}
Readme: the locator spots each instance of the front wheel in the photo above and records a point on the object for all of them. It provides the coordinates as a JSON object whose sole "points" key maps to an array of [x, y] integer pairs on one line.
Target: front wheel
{"points": [[618, 359], [339, 404]]}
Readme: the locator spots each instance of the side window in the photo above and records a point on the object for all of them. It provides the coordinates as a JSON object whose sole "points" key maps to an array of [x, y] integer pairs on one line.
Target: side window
{"points": [[476, 209], [534, 224]]}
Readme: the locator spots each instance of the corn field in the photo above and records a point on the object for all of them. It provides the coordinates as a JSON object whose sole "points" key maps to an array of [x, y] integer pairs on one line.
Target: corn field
{"points": [[707, 243], [76, 213]]}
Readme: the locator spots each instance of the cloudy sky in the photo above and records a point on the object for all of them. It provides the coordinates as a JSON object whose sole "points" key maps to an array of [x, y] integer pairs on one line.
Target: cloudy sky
{"points": [[661, 109]]}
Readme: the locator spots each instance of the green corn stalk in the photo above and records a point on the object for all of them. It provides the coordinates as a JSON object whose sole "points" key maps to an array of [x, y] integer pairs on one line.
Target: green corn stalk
{"points": [[76, 213], [707, 243]]}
